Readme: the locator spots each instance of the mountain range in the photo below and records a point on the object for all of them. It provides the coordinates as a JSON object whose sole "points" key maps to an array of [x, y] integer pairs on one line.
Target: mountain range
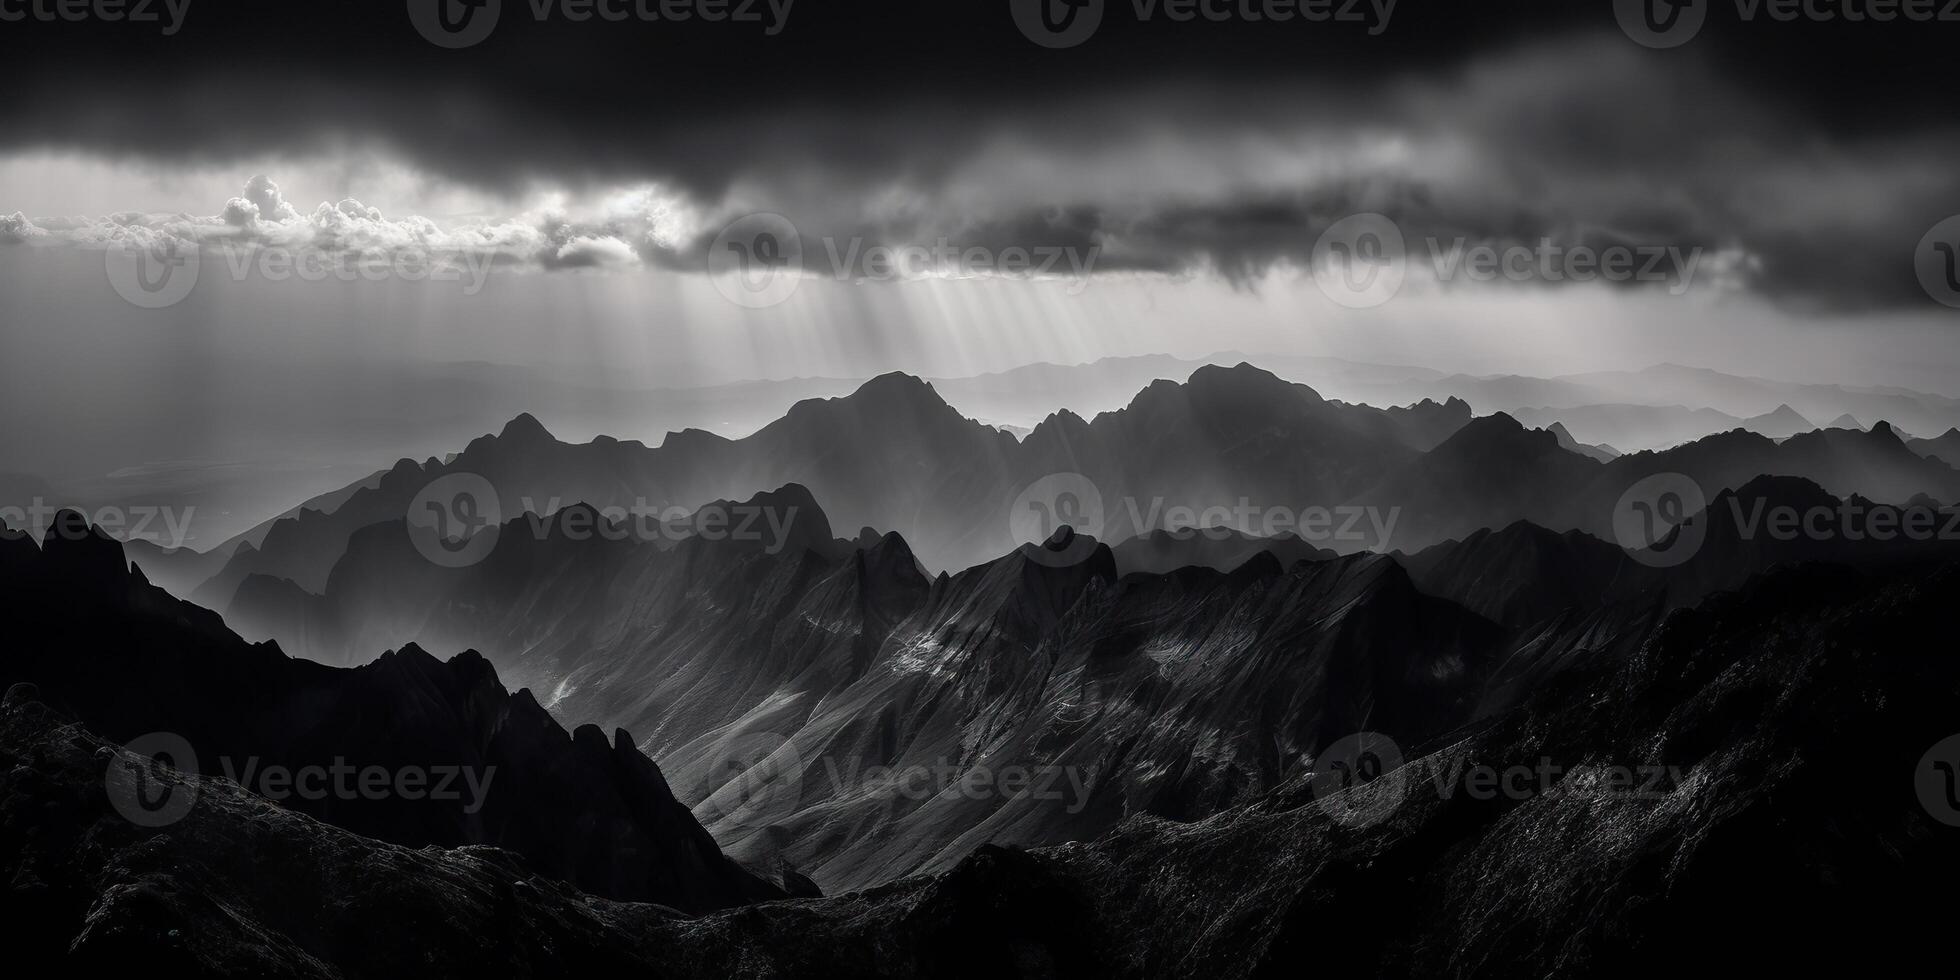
{"points": [[1658, 407], [1741, 774], [1236, 447], [1167, 688]]}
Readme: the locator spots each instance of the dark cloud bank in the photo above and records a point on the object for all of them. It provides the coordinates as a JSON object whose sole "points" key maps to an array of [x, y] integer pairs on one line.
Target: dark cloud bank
{"points": [[1818, 152]]}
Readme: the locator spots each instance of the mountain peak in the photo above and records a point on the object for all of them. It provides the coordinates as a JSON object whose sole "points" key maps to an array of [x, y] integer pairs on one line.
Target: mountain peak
{"points": [[524, 428], [898, 386], [1798, 493], [72, 543], [1497, 425], [1060, 540], [1241, 376], [788, 516]]}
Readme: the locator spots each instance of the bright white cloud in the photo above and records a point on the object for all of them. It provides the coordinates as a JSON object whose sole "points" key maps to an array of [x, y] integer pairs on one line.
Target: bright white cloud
{"points": [[631, 228], [16, 228]]}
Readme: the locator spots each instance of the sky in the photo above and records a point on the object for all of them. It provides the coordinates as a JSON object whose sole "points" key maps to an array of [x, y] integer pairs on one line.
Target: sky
{"points": [[574, 202]]}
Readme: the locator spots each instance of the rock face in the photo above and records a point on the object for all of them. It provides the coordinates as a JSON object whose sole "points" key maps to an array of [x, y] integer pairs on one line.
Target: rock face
{"points": [[465, 762], [1776, 745], [828, 704], [833, 706], [244, 887]]}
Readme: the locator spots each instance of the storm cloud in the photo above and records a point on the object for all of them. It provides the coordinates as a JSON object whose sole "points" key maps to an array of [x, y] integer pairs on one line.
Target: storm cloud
{"points": [[1166, 148]]}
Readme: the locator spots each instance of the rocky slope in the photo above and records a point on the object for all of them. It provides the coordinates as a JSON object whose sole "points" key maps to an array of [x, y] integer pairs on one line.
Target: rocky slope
{"points": [[486, 766], [1778, 785], [831, 705]]}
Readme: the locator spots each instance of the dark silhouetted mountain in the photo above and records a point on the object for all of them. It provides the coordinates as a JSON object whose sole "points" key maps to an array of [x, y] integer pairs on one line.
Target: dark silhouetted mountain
{"points": [[893, 454], [1875, 464], [1526, 574], [1424, 425], [1231, 447], [1495, 473], [1226, 437], [1491, 473], [1025, 395], [125, 658], [1776, 520]]}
